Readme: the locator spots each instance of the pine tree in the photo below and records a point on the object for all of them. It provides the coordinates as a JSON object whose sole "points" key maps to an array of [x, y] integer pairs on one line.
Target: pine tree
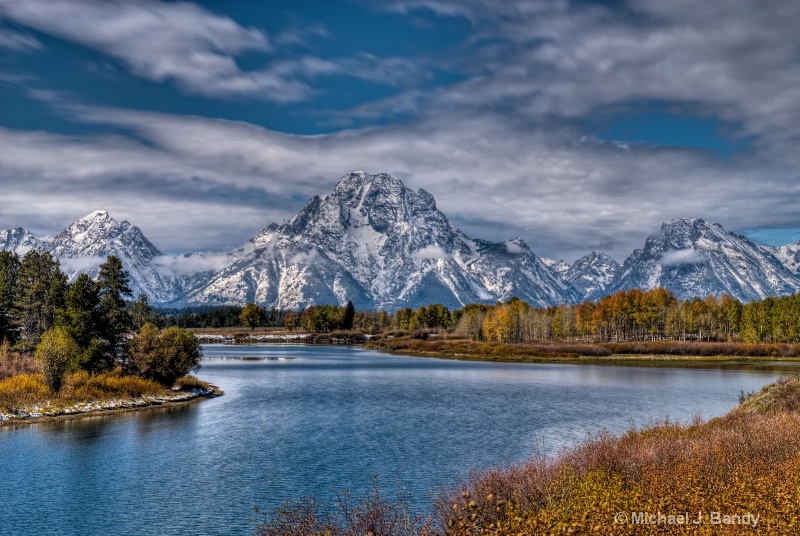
{"points": [[81, 315], [9, 266], [41, 286], [83, 319], [113, 283], [349, 314], [141, 312]]}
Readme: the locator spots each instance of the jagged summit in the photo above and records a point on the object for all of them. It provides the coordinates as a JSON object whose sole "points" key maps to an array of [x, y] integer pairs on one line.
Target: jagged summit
{"points": [[98, 234], [382, 245], [97, 215], [693, 257], [390, 246], [592, 274], [788, 255], [86, 243], [19, 241]]}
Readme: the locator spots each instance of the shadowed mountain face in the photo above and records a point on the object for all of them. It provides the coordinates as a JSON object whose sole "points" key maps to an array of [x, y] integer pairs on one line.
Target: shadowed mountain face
{"points": [[692, 257], [382, 245]]}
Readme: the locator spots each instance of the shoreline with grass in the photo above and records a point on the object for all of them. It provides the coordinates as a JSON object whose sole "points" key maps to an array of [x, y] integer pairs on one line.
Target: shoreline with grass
{"points": [[733, 473], [24, 398], [647, 353]]}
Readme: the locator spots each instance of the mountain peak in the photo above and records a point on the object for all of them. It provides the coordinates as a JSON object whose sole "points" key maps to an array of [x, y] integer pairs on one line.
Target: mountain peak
{"points": [[98, 216], [693, 257]]}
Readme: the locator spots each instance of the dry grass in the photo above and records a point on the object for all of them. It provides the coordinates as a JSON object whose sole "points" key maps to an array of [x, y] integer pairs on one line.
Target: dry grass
{"points": [[745, 462], [190, 382], [734, 349], [25, 390], [491, 351], [373, 514], [444, 346]]}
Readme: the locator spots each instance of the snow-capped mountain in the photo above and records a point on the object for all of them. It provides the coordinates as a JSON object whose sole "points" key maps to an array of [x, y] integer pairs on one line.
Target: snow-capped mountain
{"points": [[557, 266], [380, 244], [86, 243], [19, 241], [789, 255], [592, 274], [692, 257]]}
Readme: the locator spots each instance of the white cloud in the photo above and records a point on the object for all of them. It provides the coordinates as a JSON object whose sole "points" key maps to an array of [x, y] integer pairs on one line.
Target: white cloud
{"points": [[82, 264], [682, 256], [431, 251], [498, 150], [182, 43], [194, 263], [225, 180], [305, 257], [163, 41], [513, 247]]}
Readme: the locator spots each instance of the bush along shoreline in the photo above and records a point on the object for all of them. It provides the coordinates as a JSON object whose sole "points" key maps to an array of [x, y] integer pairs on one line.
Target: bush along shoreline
{"points": [[70, 348], [735, 474]]}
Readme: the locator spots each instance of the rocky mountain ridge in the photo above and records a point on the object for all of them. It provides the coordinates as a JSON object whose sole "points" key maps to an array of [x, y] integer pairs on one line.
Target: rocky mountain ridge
{"points": [[382, 245]]}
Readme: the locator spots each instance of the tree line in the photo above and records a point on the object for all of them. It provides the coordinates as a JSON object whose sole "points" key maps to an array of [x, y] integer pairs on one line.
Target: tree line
{"points": [[627, 315], [638, 315], [222, 316], [86, 324]]}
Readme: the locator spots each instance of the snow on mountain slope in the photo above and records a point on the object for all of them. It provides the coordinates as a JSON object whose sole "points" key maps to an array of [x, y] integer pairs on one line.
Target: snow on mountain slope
{"points": [[788, 255], [86, 243], [692, 257], [557, 266], [592, 274], [19, 241], [380, 244]]}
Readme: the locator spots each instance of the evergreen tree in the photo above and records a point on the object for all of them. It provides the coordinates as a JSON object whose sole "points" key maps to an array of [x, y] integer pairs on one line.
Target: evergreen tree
{"points": [[83, 319], [9, 266], [141, 312], [114, 286], [81, 315], [349, 314], [41, 286]]}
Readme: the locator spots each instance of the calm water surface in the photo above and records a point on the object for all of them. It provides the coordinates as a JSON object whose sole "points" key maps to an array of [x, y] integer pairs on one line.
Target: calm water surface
{"points": [[302, 420]]}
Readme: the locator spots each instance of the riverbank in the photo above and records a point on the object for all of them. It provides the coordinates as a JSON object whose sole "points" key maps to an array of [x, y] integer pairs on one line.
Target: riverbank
{"points": [[733, 474], [25, 400], [275, 336], [656, 353]]}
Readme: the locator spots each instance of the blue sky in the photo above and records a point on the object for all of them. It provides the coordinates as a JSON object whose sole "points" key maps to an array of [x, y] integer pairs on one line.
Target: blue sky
{"points": [[579, 126]]}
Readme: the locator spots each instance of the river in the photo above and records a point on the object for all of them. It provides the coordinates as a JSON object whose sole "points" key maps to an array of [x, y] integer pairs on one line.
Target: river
{"points": [[302, 420]]}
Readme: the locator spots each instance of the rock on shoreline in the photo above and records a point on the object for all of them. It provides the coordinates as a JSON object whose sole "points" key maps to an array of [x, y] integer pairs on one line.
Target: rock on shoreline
{"points": [[37, 412]]}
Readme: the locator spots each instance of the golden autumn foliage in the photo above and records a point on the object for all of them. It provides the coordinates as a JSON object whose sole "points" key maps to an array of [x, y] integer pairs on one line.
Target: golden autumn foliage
{"points": [[24, 390], [636, 315], [747, 462]]}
